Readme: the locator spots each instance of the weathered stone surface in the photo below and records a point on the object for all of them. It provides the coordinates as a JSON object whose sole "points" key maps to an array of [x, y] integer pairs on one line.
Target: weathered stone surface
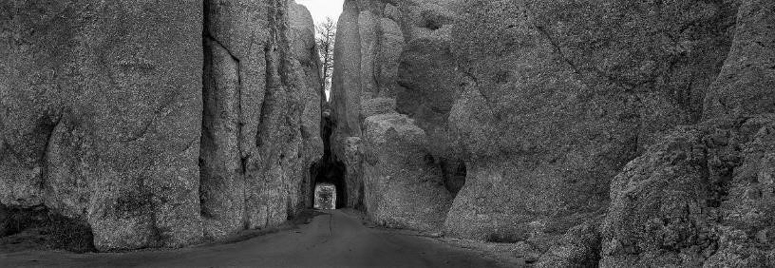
{"points": [[353, 162], [377, 106], [429, 81], [236, 81], [305, 53], [392, 13], [421, 17], [546, 119], [703, 195], [346, 84], [256, 148], [367, 30], [100, 116], [579, 247], [699, 197], [389, 52], [346, 79], [370, 39], [403, 186], [745, 85]]}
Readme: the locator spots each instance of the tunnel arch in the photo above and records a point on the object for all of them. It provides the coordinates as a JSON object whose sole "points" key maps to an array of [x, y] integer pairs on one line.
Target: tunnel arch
{"points": [[332, 172], [329, 169]]}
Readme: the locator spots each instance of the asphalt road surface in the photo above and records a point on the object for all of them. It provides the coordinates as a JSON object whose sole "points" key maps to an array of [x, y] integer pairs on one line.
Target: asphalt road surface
{"points": [[333, 239]]}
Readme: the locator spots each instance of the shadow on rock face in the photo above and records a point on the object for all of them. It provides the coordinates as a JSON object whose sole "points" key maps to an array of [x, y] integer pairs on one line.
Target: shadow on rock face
{"points": [[37, 228]]}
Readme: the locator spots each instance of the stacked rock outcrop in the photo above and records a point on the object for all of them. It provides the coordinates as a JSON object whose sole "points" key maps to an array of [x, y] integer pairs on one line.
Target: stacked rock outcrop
{"points": [[386, 53], [542, 105]]}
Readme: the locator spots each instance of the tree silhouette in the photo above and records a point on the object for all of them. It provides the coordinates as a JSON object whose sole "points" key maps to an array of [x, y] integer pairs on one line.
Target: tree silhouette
{"points": [[325, 38]]}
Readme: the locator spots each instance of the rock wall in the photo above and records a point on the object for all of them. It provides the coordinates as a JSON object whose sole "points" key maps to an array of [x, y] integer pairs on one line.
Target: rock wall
{"points": [[611, 133], [534, 102], [553, 92], [104, 117], [703, 195], [306, 54], [345, 98], [101, 116], [165, 124], [376, 42], [252, 143], [744, 85]]}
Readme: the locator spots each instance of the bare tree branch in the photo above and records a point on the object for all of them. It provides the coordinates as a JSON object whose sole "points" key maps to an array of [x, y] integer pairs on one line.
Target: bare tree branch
{"points": [[325, 36]]}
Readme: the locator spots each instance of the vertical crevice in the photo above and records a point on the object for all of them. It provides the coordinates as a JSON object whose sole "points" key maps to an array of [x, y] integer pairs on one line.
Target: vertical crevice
{"points": [[222, 163], [205, 135], [206, 61], [454, 173], [328, 169], [49, 129]]}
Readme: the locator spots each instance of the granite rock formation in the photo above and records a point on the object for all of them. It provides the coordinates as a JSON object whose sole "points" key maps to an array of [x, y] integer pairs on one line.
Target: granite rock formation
{"points": [[306, 54], [541, 105], [552, 95], [101, 116], [744, 86], [403, 185], [387, 53], [594, 133], [252, 143], [104, 118], [703, 195]]}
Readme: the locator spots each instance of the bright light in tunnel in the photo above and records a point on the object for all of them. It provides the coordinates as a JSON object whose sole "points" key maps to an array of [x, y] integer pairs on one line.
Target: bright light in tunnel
{"points": [[325, 196], [321, 9]]}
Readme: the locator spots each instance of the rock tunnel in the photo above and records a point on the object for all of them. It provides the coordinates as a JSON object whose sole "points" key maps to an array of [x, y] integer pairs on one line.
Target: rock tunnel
{"points": [[329, 169], [488, 120]]}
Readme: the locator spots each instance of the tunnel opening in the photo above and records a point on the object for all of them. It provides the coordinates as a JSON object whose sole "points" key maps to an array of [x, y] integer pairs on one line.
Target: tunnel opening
{"points": [[325, 196], [329, 170]]}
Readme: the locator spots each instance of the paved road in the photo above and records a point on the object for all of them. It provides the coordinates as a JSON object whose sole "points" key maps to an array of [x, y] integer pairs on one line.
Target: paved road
{"points": [[333, 239]]}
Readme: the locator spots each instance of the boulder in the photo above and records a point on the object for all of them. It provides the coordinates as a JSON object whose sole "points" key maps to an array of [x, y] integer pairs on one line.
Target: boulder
{"points": [[403, 185]]}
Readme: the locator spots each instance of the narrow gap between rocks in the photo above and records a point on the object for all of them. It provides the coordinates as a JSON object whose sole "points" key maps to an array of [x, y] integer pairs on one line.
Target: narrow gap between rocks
{"points": [[329, 170]]}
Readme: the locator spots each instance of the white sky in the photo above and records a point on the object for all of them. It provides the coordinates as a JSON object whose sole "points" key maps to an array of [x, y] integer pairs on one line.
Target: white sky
{"points": [[321, 9]]}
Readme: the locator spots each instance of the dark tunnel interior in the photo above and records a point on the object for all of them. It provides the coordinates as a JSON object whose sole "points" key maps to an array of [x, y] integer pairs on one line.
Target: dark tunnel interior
{"points": [[329, 169]]}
